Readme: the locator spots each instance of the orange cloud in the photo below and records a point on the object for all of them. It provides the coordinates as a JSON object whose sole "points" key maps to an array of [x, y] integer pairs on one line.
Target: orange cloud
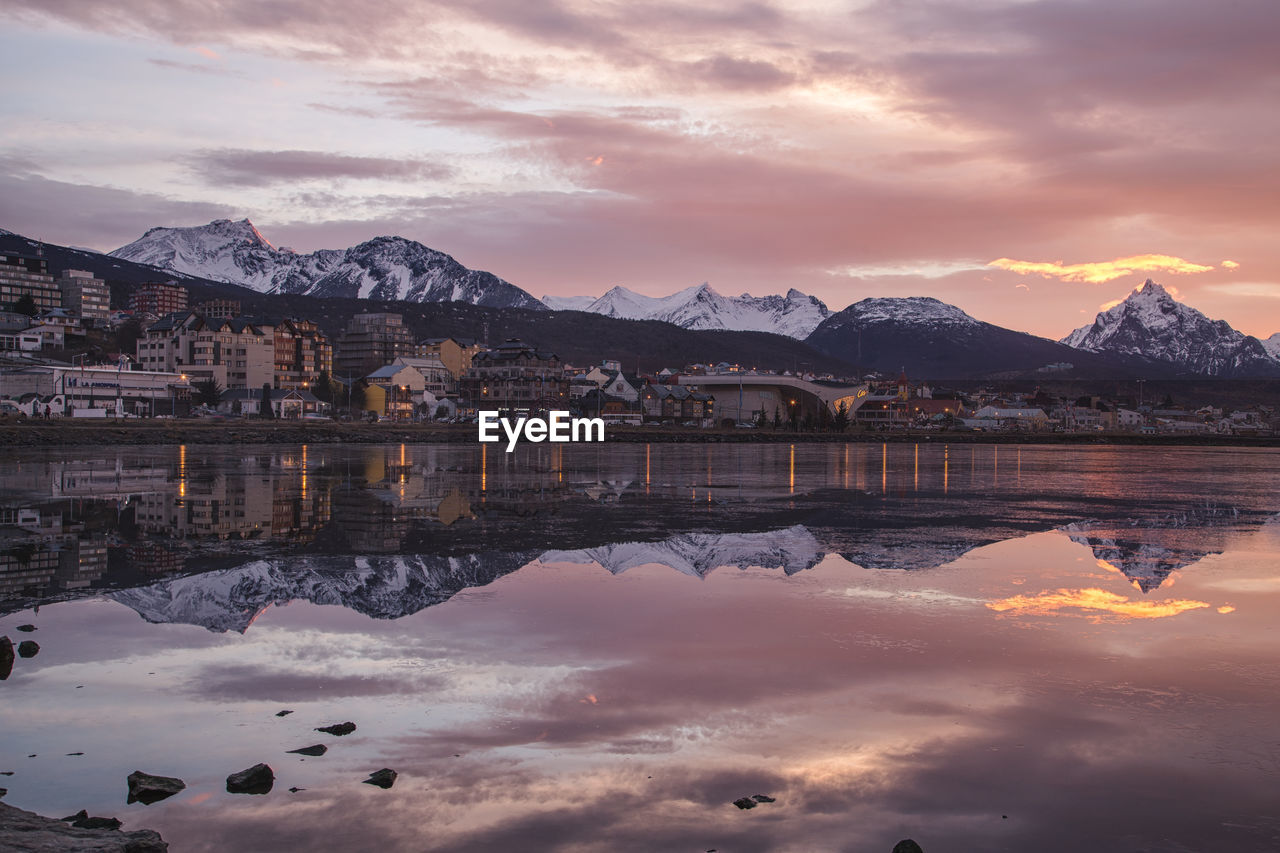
{"points": [[1097, 272], [1093, 600], [1230, 265], [207, 53]]}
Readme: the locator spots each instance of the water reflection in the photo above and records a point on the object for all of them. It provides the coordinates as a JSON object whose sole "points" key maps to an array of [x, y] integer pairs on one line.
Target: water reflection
{"points": [[110, 519], [560, 650]]}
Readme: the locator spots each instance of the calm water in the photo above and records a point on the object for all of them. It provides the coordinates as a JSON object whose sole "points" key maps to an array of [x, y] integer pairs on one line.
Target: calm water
{"points": [[982, 648]]}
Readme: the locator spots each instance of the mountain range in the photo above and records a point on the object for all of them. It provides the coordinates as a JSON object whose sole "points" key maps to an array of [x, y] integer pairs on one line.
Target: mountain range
{"points": [[795, 315], [1149, 334], [382, 268]]}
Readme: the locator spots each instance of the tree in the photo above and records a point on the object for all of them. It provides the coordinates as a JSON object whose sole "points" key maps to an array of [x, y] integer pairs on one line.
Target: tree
{"points": [[264, 408], [357, 396], [208, 392], [777, 418], [25, 305], [841, 422], [127, 336], [323, 387]]}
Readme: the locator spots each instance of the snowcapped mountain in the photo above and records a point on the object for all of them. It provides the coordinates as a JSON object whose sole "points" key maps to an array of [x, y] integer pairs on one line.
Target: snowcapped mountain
{"points": [[1272, 346], [1152, 324], [381, 587], [794, 315], [929, 338], [567, 303], [696, 554], [381, 268]]}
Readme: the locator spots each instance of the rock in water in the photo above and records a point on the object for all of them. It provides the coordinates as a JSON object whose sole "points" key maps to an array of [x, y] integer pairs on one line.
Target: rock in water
{"points": [[745, 803], [761, 798], [26, 629], [6, 657], [258, 779], [147, 789], [384, 778], [906, 845], [28, 649], [283, 713], [339, 730], [23, 830], [316, 749]]}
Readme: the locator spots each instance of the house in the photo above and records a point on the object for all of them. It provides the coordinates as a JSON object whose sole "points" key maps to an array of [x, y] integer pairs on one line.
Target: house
{"points": [[286, 403], [395, 390], [515, 377]]}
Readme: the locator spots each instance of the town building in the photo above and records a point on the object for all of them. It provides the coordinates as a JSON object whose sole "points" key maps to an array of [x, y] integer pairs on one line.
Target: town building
{"points": [[222, 309], [84, 391], [369, 342], [158, 298], [302, 353], [234, 353], [515, 377], [85, 296], [455, 353], [24, 275]]}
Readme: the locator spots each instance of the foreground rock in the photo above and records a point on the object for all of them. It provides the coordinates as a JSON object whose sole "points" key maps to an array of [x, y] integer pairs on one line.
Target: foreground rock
{"points": [[384, 778], [338, 730], [745, 803], [147, 789], [6, 657], [314, 750], [906, 845], [29, 832], [28, 649], [258, 779], [82, 820]]}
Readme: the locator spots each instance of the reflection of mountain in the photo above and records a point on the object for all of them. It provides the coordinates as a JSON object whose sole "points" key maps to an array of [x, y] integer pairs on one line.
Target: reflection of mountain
{"points": [[1148, 550], [381, 587], [793, 549]]}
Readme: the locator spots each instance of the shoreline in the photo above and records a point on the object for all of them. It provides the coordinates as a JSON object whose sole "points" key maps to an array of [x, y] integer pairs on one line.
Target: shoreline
{"points": [[57, 433]]}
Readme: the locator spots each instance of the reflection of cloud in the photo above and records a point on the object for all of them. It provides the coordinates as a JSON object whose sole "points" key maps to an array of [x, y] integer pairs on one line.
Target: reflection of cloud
{"points": [[1096, 272], [1094, 599]]}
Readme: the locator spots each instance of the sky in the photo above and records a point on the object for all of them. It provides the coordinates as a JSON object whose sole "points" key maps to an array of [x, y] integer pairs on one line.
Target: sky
{"points": [[1027, 161]]}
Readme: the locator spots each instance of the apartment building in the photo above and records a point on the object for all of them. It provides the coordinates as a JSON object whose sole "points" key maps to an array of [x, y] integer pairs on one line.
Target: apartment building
{"points": [[235, 352], [85, 296]]}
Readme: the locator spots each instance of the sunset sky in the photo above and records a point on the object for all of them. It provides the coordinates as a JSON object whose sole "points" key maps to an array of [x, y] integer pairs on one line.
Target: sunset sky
{"points": [[1026, 161]]}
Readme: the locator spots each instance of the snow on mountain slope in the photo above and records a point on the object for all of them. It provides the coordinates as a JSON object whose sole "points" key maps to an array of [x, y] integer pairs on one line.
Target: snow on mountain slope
{"points": [[381, 268], [794, 315], [1152, 324], [1272, 346], [696, 554], [567, 303]]}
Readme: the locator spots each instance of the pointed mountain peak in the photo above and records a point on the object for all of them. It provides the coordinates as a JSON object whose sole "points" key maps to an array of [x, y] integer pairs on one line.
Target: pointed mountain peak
{"points": [[1151, 290]]}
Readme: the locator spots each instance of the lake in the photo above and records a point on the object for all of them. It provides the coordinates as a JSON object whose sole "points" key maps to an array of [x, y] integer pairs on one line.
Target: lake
{"points": [[602, 647]]}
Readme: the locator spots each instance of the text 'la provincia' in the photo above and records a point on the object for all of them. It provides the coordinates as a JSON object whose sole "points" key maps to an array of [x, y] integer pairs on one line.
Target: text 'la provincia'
{"points": [[557, 426]]}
